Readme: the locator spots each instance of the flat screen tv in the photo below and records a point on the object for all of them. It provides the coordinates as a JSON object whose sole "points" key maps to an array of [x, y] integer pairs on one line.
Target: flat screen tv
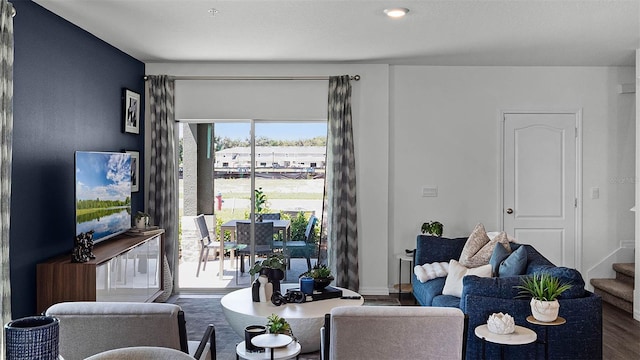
{"points": [[103, 193]]}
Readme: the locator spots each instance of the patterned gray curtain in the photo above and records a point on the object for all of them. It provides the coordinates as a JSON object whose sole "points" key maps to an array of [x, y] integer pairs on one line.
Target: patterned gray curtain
{"points": [[340, 187], [162, 172], [6, 134]]}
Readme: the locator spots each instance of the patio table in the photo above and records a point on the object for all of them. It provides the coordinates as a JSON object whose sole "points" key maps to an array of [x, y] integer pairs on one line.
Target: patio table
{"points": [[278, 225]]}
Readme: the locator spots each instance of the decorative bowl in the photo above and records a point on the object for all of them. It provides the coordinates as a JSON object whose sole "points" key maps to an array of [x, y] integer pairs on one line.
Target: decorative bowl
{"points": [[320, 283], [500, 323]]}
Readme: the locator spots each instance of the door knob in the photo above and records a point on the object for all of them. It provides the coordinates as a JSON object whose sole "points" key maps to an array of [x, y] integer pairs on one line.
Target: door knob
{"points": [[509, 211]]}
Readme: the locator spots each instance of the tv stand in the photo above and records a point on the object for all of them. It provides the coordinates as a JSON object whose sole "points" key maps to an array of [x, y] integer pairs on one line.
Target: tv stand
{"points": [[125, 268]]}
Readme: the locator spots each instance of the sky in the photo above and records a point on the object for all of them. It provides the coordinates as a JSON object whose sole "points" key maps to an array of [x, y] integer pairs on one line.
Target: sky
{"points": [[103, 175], [276, 131]]}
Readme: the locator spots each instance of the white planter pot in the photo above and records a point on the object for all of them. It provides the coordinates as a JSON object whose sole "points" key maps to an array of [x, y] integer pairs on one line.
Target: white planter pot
{"points": [[545, 311], [142, 223]]}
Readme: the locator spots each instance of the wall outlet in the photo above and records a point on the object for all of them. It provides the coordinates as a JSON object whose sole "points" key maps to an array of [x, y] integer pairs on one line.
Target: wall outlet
{"points": [[595, 193], [429, 191]]}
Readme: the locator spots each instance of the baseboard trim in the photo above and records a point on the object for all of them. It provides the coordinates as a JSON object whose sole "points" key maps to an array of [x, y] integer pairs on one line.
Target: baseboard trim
{"points": [[373, 291]]}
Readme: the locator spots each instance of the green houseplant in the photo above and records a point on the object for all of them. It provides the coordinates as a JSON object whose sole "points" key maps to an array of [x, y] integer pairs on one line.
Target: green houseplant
{"points": [[272, 261], [544, 290], [321, 276], [432, 228], [278, 325], [261, 203], [141, 219]]}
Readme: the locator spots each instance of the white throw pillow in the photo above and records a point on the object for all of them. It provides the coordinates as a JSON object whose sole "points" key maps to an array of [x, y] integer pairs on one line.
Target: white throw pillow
{"points": [[453, 283], [434, 270]]}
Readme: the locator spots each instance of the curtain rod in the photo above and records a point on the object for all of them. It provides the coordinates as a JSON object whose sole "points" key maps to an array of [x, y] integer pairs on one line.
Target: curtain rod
{"points": [[354, 77]]}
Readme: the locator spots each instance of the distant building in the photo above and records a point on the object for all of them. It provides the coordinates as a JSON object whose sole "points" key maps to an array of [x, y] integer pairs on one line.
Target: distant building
{"points": [[273, 157]]}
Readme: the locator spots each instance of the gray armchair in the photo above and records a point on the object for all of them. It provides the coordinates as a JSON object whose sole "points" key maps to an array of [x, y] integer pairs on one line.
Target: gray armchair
{"points": [[89, 328], [393, 332]]}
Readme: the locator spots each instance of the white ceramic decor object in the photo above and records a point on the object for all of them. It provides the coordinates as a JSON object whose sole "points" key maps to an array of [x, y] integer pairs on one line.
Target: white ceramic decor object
{"points": [[500, 323], [545, 311]]}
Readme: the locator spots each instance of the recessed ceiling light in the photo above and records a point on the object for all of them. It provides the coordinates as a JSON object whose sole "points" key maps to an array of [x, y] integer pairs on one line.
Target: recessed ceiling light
{"points": [[396, 12]]}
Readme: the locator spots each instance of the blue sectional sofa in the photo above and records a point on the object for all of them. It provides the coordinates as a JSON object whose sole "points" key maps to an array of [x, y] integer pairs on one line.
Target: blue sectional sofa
{"points": [[579, 338]]}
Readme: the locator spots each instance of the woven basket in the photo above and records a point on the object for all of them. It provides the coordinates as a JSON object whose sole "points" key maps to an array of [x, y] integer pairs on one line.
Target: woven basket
{"points": [[33, 337]]}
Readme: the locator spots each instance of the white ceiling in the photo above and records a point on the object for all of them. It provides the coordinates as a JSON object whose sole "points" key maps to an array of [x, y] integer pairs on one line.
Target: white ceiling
{"points": [[450, 32]]}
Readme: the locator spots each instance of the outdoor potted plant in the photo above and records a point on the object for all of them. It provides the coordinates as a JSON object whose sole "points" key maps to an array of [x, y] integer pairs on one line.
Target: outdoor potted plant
{"points": [[261, 203], [432, 228], [141, 219], [273, 266], [544, 290], [321, 275]]}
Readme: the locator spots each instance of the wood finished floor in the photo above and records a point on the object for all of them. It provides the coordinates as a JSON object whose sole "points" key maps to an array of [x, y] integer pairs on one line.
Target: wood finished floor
{"points": [[620, 332]]}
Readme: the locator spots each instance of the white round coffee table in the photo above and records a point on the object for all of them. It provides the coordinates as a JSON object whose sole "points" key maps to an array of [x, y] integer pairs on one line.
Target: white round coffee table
{"points": [[305, 319]]}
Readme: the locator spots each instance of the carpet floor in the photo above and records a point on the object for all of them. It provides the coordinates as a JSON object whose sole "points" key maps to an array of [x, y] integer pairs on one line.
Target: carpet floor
{"points": [[203, 310]]}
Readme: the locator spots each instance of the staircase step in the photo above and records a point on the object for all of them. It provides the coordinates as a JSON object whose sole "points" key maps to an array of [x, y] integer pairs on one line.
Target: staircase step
{"points": [[615, 292], [627, 269]]}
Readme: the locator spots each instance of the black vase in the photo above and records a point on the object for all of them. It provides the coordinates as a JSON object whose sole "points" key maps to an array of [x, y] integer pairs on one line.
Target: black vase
{"points": [[274, 276]]}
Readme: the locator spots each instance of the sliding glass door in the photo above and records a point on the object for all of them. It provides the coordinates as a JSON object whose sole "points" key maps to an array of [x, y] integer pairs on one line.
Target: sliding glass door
{"points": [[234, 175]]}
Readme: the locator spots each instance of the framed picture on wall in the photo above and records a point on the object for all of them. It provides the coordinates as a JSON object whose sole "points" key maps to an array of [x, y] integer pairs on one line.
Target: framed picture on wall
{"points": [[131, 116], [135, 170]]}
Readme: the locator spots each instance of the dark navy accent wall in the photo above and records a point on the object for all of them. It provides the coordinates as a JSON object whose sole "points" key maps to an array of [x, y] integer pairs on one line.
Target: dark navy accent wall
{"points": [[67, 97]]}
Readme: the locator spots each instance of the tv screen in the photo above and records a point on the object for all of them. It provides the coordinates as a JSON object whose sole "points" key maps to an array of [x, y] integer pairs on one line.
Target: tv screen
{"points": [[103, 193]]}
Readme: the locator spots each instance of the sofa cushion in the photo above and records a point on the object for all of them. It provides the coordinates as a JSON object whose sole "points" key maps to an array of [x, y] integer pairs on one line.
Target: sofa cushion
{"points": [[430, 271], [457, 271], [425, 292], [497, 257], [446, 301], [513, 264], [478, 248], [430, 249]]}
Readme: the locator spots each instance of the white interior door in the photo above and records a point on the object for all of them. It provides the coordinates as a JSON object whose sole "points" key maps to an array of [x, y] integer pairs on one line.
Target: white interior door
{"points": [[539, 194]]}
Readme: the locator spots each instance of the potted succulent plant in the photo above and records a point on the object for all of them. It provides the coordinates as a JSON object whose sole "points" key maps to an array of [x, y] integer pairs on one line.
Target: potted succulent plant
{"points": [[432, 228], [321, 275], [278, 325], [544, 290], [273, 266]]}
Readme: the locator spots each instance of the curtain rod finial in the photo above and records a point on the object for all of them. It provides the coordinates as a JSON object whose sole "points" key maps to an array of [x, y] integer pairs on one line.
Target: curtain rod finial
{"points": [[355, 78]]}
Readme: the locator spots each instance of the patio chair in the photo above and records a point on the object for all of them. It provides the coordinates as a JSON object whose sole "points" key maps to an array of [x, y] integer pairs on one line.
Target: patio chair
{"points": [[263, 240], [271, 216], [300, 248], [206, 243]]}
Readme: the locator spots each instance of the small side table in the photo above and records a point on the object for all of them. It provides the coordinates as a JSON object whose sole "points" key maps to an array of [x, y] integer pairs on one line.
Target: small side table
{"points": [[276, 351], [521, 336], [403, 288], [559, 321]]}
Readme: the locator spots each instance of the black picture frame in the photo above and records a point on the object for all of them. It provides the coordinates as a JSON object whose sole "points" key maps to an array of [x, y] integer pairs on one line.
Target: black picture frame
{"points": [[131, 112], [135, 170]]}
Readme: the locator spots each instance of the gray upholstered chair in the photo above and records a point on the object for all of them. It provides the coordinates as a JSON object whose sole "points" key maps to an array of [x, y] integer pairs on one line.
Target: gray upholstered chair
{"points": [[141, 353], [393, 332], [89, 328]]}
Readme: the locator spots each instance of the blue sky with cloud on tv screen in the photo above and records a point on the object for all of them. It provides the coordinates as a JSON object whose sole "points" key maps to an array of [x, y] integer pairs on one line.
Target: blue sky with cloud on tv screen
{"points": [[106, 176]]}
